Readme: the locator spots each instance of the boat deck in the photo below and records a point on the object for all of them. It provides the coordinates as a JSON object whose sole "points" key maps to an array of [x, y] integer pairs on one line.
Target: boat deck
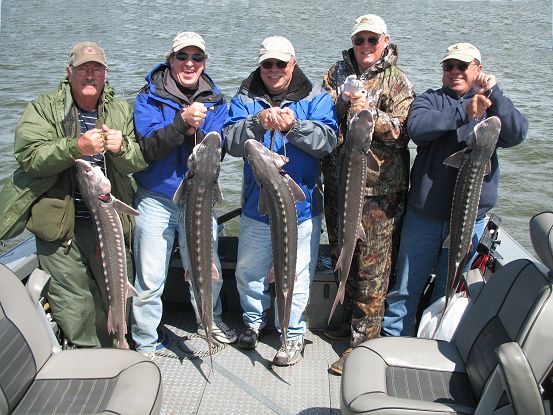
{"points": [[244, 381]]}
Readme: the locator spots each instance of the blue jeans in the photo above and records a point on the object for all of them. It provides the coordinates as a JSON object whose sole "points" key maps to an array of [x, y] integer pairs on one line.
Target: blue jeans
{"points": [[254, 262], [156, 225], [420, 254]]}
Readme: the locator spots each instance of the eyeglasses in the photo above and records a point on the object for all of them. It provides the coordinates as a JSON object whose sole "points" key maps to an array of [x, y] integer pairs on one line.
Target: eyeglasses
{"points": [[462, 66], [84, 70], [269, 64], [196, 57], [359, 40]]}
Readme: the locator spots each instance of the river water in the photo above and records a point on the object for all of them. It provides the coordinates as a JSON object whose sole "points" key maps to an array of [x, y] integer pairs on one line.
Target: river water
{"points": [[514, 37]]}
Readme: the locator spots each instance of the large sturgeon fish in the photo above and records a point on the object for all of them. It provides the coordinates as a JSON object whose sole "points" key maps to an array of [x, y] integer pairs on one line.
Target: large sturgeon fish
{"points": [[96, 191], [473, 163], [277, 196], [200, 190], [355, 158]]}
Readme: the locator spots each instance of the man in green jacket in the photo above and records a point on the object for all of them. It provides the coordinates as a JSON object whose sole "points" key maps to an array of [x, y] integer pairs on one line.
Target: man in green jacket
{"points": [[80, 119]]}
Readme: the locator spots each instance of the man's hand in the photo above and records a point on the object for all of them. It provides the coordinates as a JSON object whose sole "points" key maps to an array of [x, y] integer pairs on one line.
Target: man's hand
{"points": [[477, 106], [113, 139], [91, 142], [483, 82], [275, 118], [194, 116]]}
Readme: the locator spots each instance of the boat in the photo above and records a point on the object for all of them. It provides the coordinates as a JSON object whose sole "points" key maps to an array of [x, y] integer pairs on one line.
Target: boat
{"points": [[244, 381]]}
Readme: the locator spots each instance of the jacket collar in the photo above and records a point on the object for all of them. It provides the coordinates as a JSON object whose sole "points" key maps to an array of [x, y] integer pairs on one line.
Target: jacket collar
{"points": [[299, 87], [207, 91]]}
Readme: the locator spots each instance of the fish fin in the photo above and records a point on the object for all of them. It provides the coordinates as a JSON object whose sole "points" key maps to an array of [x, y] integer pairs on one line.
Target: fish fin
{"points": [[297, 192], [122, 207], [456, 159], [131, 291], [361, 233], [488, 168], [262, 203], [339, 261], [111, 321], [181, 190], [214, 272], [271, 275], [123, 344], [339, 299], [187, 275], [447, 242], [218, 193], [372, 162]]}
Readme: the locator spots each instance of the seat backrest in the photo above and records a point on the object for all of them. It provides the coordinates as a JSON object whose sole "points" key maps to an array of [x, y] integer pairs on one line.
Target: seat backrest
{"points": [[24, 342], [516, 305]]}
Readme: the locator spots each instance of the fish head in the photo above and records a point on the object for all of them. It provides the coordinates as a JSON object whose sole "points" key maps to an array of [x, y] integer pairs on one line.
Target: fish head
{"points": [[206, 156], [91, 178], [361, 128], [486, 134], [261, 159]]}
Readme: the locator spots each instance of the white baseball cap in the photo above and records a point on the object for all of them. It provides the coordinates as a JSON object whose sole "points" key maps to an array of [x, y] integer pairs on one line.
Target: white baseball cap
{"points": [[276, 47], [370, 23], [464, 52], [185, 39]]}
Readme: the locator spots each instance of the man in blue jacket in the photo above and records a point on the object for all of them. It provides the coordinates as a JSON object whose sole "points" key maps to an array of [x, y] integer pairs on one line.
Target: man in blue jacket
{"points": [[177, 106], [278, 106], [439, 122]]}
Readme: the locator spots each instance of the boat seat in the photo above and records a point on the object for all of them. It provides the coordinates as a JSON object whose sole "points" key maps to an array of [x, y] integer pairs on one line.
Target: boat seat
{"points": [[34, 380], [406, 375]]}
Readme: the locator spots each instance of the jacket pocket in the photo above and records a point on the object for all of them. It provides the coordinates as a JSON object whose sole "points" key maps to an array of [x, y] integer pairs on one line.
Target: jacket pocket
{"points": [[52, 219]]}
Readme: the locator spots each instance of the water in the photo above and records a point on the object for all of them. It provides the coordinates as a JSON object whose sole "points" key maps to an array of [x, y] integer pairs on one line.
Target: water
{"points": [[514, 37]]}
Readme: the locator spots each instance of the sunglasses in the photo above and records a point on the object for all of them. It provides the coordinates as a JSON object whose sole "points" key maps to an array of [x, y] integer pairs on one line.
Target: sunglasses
{"points": [[462, 66], [196, 57], [270, 64], [359, 40]]}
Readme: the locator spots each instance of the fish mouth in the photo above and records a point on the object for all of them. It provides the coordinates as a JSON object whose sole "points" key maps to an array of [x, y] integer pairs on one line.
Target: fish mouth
{"points": [[105, 198]]}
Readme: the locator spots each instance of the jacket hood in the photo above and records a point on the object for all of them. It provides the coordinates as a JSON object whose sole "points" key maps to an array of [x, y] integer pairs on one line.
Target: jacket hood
{"points": [[154, 86]]}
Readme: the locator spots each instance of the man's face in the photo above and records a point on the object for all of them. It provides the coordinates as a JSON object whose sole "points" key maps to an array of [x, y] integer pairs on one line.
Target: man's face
{"points": [[459, 75], [87, 81], [187, 66], [276, 74], [368, 48]]}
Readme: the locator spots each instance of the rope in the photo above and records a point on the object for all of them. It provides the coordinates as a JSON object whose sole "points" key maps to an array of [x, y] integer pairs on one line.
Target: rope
{"points": [[187, 352]]}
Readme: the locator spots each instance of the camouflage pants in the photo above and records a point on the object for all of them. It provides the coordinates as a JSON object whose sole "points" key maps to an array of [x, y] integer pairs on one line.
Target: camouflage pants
{"points": [[372, 265], [373, 259]]}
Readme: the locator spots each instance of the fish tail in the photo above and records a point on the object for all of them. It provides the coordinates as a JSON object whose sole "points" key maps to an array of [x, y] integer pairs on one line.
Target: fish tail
{"points": [[339, 298]]}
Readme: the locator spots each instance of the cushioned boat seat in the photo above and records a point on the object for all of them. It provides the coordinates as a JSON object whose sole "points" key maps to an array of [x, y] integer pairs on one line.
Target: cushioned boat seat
{"points": [[33, 380], [404, 375]]}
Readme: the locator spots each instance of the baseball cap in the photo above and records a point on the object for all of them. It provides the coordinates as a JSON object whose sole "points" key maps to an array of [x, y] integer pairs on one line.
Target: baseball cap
{"points": [[369, 23], [276, 47], [464, 52], [87, 52], [184, 39]]}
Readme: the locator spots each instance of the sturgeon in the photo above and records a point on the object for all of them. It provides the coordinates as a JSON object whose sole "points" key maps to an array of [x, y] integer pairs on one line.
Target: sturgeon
{"points": [[277, 197], [95, 188], [355, 160], [200, 190], [473, 163]]}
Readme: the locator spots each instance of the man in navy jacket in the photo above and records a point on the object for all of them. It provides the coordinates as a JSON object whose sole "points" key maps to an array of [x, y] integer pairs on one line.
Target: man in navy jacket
{"points": [[439, 123]]}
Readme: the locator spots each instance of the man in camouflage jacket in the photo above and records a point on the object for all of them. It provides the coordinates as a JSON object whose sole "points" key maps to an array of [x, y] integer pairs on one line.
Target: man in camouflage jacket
{"points": [[372, 61]]}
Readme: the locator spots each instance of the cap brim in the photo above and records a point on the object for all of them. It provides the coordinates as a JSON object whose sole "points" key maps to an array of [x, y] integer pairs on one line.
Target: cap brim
{"points": [[79, 62], [285, 57], [463, 57], [185, 44], [368, 29]]}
